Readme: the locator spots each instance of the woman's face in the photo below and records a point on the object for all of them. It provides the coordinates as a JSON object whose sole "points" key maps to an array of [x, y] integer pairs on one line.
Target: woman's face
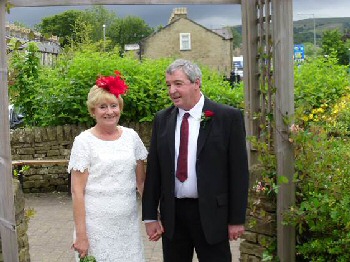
{"points": [[107, 112]]}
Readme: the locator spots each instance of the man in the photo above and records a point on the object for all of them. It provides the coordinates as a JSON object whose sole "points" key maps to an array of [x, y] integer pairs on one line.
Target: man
{"points": [[202, 190]]}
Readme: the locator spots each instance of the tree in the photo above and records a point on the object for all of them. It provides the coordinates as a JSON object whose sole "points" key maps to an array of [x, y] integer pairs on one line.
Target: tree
{"points": [[61, 25], [97, 16], [237, 37], [129, 30], [332, 43], [71, 26]]}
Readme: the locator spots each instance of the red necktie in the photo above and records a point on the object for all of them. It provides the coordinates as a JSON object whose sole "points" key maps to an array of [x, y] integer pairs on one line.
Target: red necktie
{"points": [[181, 172]]}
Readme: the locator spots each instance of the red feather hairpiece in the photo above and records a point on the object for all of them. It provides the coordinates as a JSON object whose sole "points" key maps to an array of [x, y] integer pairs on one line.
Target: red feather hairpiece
{"points": [[113, 84]]}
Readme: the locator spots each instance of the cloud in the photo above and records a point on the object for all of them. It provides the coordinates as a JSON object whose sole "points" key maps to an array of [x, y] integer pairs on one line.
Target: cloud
{"points": [[210, 16]]}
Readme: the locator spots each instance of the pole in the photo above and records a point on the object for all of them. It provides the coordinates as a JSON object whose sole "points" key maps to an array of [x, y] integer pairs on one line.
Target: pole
{"points": [[313, 16], [104, 37], [7, 212], [284, 109]]}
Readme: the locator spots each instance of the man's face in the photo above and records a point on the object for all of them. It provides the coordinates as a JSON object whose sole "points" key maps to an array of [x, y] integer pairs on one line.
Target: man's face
{"points": [[182, 92]]}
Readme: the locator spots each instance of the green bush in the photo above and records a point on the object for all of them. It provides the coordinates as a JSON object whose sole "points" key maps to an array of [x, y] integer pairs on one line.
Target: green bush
{"points": [[58, 94], [321, 215], [24, 68], [318, 82], [338, 121]]}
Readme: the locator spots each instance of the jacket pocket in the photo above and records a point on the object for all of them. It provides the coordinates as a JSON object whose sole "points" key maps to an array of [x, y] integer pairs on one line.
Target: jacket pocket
{"points": [[221, 200]]}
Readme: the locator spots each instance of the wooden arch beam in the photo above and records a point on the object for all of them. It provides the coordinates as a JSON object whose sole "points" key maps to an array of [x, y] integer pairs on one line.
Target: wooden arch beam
{"points": [[32, 3]]}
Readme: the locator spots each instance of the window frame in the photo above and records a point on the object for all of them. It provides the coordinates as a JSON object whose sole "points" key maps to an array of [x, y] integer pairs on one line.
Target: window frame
{"points": [[184, 39]]}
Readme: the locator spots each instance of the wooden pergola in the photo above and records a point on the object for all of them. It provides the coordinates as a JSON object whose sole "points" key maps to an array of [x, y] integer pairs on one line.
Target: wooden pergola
{"points": [[268, 55]]}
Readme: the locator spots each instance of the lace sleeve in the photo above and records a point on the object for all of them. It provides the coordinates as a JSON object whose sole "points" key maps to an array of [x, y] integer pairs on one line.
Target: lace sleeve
{"points": [[79, 157], [140, 149]]}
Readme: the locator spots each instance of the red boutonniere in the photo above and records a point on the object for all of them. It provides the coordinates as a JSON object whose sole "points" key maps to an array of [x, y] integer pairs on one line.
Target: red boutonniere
{"points": [[206, 116], [113, 84]]}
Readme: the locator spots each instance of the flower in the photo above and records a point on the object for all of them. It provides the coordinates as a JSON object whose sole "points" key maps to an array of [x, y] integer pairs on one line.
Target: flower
{"points": [[206, 116], [113, 84]]}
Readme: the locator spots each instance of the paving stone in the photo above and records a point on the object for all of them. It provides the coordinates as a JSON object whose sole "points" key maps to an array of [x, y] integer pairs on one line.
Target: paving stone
{"points": [[50, 231]]}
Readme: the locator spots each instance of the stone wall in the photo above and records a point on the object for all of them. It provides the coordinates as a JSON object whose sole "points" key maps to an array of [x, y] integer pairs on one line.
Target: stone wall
{"points": [[21, 224], [261, 227], [52, 143]]}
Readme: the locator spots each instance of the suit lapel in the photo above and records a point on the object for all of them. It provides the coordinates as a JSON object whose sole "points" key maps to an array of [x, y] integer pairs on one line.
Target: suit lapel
{"points": [[204, 130], [170, 130]]}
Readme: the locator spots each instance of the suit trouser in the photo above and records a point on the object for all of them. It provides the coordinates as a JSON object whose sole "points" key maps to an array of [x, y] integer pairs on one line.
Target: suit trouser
{"points": [[188, 235]]}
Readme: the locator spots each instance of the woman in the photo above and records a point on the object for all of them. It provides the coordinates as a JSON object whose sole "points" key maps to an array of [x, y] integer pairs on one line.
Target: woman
{"points": [[103, 163]]}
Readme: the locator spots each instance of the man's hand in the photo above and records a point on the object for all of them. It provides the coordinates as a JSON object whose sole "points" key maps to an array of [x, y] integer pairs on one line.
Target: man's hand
{"points": [[235, 231], [154, 230]]}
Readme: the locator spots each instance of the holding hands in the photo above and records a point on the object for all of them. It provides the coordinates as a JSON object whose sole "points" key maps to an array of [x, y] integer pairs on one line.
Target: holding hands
{"points": [[154, 230]]}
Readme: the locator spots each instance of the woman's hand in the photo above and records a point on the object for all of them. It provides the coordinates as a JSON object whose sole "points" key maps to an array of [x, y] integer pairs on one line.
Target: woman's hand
{"points": [[81, 245], [154, 230]]}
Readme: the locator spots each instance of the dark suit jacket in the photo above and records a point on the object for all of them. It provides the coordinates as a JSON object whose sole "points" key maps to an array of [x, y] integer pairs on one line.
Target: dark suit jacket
{"points": [[221, 166]]}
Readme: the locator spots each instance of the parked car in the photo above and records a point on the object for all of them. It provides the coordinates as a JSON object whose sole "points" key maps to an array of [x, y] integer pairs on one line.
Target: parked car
{"points": [[15, 117]]}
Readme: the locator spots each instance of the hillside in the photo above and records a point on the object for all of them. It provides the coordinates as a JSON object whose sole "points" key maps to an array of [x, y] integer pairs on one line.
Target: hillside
{"points": [[304, 29]]}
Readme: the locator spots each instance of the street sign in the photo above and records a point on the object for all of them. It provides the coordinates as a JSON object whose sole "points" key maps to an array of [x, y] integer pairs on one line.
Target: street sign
{"points": [[299, 52]]}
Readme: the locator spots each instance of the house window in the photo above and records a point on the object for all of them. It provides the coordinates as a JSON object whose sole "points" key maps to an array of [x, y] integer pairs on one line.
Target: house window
{"points": [[185, 41]]}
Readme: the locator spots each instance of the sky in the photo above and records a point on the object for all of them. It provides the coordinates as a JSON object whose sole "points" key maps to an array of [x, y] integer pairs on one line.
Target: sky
{"points": [[210, 16]]}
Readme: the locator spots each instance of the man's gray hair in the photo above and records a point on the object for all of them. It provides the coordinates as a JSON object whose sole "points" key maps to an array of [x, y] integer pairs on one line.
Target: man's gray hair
{"points": [[192, 70]]}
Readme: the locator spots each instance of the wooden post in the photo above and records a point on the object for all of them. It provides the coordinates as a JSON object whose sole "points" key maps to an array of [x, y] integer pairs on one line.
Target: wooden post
{"points": [[7, 211], [282, 17], [250, 75]]}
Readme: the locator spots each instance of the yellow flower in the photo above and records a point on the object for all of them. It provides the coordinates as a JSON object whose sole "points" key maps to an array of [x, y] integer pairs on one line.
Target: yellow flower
{"points": [[320, 110]]}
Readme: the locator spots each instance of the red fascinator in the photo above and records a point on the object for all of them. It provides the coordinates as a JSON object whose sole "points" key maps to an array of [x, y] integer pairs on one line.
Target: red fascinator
{"points": [[113, 84]]}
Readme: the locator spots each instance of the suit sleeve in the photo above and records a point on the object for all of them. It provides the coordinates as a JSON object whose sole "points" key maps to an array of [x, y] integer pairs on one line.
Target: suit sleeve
{"points": [[151, 193], [238, 169]]}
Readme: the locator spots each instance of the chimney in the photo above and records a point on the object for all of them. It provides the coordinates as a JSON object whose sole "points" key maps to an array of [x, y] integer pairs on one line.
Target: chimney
{"points": [[180, 12]]}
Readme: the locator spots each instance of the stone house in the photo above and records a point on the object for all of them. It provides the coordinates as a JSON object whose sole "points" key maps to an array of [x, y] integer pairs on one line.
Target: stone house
{"points": [[49, 48], [184, 38]]}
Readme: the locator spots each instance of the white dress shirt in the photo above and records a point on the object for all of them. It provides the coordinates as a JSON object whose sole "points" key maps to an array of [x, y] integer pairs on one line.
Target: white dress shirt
{"points": [[188, 188]]}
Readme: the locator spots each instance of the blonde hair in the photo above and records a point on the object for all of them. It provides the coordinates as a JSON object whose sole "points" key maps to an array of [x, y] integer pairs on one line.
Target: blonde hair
{"points": [[98, 95]]}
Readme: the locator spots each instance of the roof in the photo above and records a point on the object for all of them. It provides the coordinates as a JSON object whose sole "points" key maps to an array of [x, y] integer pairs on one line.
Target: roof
{"points": [[224, 33]]}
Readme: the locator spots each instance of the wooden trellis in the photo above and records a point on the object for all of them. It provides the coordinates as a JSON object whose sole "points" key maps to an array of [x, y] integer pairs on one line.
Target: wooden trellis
{"points": [[269, 101], [267, 40]]}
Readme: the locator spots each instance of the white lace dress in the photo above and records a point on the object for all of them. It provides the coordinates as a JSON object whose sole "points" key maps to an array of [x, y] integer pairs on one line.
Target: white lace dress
{"points": [[113, 223]]}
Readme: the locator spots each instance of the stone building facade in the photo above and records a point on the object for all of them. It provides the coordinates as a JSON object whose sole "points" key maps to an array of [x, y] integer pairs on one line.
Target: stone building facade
{"points": [[184, 38]]}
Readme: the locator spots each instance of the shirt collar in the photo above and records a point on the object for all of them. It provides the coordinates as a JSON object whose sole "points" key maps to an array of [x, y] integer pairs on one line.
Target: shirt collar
{"points": [[195, 111]]}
